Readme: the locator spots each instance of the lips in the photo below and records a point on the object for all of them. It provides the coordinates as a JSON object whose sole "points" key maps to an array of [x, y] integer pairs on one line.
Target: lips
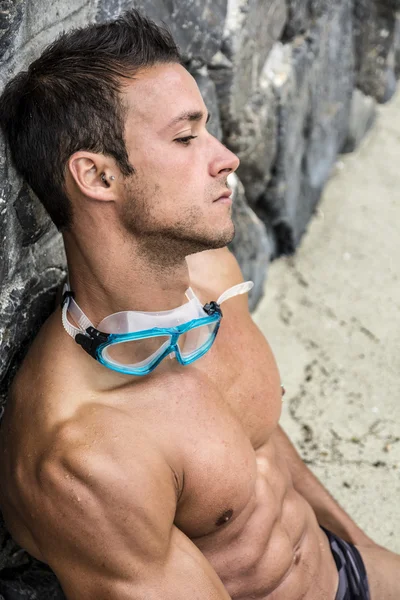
{"points": [[225, 194]]}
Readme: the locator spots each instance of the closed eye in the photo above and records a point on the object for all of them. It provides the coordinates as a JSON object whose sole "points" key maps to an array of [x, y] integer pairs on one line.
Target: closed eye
{"points": [[186, 140]]}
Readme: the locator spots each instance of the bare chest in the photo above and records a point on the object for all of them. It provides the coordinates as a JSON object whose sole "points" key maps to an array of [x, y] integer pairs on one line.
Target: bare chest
{"points": [[240, 409]]}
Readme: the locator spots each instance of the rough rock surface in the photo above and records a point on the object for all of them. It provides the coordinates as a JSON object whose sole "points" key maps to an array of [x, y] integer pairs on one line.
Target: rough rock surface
{"points": [[197, 26], [208, 91], [313, 81], [362, 116], [251, 246], [301, 13], [280, 80], [247, 102], [10, 20], [375, 29]]}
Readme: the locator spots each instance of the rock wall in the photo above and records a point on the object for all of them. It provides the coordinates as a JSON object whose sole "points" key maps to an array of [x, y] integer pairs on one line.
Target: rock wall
{"points": [[289, 84]]}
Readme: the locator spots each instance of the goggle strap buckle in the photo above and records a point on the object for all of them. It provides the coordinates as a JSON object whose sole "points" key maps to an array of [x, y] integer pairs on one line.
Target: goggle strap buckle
{"points": [[66, 296], [212, 307], [91, 340]]}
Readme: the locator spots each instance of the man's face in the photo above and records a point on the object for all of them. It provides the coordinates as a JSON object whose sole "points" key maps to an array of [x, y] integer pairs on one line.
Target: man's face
{"points": [[173, 201]]}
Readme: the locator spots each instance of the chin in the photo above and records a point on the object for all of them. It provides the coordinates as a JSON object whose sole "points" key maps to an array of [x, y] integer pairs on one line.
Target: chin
{"points": [[220, 239]]}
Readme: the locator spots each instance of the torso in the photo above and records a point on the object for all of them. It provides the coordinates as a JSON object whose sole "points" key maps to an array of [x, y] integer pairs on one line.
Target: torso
{"points": [[236, 500]]}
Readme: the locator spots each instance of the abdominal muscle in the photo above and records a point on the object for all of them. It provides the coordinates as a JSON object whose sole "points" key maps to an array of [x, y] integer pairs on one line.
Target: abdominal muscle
{"points": [[274, 549]]}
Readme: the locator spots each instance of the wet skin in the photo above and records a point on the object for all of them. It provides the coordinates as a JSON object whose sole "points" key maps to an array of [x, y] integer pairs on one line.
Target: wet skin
{"points": [[212, 425]]}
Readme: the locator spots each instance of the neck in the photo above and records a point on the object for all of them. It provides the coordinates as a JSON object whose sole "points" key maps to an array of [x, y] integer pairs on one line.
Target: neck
{"points": [[114, 275]]}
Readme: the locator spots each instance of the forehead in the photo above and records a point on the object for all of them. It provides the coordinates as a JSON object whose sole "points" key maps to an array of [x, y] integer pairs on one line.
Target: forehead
{"points": [[158, 94]]}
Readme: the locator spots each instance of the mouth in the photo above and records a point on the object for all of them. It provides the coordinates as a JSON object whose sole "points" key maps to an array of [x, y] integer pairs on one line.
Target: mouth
{"points": [[225, 197]]}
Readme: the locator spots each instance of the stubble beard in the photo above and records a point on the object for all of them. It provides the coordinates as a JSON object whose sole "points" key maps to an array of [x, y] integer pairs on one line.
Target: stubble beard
{"points": [[168, 245]]}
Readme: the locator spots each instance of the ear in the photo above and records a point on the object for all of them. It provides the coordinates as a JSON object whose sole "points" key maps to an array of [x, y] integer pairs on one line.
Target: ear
{"points": [[95, 175]]}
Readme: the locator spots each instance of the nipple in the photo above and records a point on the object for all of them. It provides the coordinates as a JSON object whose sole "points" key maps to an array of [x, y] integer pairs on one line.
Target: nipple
{"points": [[224, 518]]}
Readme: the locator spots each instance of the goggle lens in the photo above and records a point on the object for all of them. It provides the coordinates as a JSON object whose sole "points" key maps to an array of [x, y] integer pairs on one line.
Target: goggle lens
{"points": [[194, 340], [136, 353]]}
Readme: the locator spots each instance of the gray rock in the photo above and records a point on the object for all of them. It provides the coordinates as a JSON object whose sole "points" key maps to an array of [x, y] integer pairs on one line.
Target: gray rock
{"points": [[40, 23], [362, 117], [252, 132], [246, 97], [319, 7], [5, 190], [375, 47], [397, 46], [251, 244], [290, 74], [31, 580], [251, 29], [10, 20], [301, 14], [197, 25], [298, 20], [208, 91], [314, 82]]}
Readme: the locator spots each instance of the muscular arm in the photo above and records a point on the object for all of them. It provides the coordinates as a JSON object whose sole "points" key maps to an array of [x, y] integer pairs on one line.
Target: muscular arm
{"points": [[109, 532], [328, 512]]}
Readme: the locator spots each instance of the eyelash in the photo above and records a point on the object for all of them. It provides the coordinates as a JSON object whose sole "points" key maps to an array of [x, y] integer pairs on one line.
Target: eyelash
{"points": [[186, 140]]}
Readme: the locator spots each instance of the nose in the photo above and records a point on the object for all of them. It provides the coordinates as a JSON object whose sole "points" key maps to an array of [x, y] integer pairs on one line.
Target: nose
{"points": [[224, 161]]}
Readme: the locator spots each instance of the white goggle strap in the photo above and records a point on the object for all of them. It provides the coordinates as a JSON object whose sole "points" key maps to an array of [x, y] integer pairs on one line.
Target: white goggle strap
{"points": [[83, 322], [77, 313], [236, 290]]}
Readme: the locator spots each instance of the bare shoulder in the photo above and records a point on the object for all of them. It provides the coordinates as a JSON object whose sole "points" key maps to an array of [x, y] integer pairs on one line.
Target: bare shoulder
{"points": [[219, 268], [101, 479]]}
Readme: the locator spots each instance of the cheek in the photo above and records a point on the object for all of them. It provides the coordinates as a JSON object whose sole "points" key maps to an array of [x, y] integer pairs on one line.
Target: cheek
{"points": [[171, 171], [160, 175]]}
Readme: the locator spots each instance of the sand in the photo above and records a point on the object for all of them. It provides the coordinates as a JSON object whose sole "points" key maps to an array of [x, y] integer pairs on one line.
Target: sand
{"points": [[332, 316]]}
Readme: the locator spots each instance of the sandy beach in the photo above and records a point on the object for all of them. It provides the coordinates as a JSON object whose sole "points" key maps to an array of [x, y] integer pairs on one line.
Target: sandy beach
{"points": [[332, 316]]}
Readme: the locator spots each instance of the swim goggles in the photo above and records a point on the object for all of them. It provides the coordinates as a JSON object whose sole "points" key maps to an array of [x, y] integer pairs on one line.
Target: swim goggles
{"points": [[135, 342]]}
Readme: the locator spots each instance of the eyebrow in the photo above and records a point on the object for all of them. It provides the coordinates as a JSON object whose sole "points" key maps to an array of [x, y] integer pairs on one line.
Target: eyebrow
{"points": [[192, 116]]}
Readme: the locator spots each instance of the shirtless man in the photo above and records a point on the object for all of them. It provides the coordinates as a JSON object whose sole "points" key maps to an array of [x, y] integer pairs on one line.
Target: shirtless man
{"points": [[177, 484]]}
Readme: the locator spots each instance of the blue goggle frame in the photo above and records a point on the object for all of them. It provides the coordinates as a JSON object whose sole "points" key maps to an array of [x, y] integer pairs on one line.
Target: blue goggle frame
{"points": [[95, 341]]}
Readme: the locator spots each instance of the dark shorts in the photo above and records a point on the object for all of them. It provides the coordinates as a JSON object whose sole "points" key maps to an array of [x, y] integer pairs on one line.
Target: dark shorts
{"points": [[353, 582]]}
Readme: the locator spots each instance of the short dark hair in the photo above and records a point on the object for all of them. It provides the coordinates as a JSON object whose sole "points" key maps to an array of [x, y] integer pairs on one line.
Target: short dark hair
{"points": [[69, 99]]}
